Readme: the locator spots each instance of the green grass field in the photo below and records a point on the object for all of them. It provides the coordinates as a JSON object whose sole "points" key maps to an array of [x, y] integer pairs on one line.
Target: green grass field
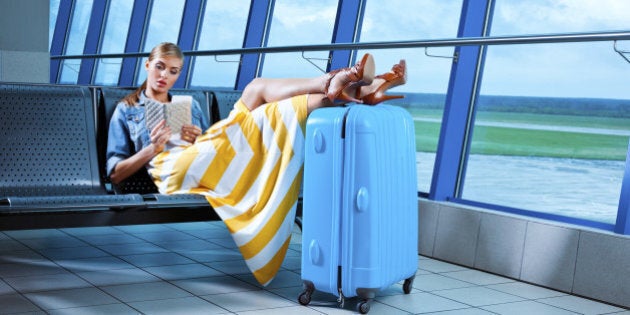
{"points": [[530, 142]]}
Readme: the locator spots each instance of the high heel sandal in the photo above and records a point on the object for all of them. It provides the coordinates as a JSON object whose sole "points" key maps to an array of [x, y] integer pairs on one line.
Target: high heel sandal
{"points": [[360, 74], [397, 76]]}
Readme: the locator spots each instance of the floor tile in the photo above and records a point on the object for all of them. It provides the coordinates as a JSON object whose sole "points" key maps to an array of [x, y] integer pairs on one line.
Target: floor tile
{"points": [[132, 248], [51, 300], [177, 272], [224, 242], [15, 303], [283, 279], [421, 303], [436, 282], [526, 308], [477, 277], [46, 282], [438, 266], [21, 256], [212, 255], [150, 291], [214, 285], [188, 245], [97, 230], [157, 259], [111, 239], [187, 305], [196, 226], [144, 228], [164, 236], [478, 296], [525, 290], [231, 267], [117, 277], [54, 242], [195, 267], [73, 253], [29, 268], [285, 310], [95, 264], [580, 305], [30, 234], [118, 309], [8, 246], [210, 233], [248, 301], [466, 311], [6, 289]]}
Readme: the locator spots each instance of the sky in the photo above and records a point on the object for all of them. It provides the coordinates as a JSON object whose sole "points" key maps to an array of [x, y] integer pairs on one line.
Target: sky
{"points": [[559, 70]]}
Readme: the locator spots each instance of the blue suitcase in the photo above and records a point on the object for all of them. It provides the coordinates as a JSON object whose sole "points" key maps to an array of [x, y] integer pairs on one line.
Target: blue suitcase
{"points": [[360, 204]]}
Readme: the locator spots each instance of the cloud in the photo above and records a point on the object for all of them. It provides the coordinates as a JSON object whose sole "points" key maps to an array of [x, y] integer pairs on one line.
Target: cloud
{"points": [[558, 16]]}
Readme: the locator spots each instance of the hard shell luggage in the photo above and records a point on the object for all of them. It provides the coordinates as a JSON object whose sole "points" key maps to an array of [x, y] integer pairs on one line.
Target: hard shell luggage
{"points": [[360, 205]]}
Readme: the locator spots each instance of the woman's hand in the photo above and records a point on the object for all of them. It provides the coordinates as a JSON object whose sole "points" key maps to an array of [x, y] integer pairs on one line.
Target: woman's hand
{"points": [[159, 136], [190, 133]]}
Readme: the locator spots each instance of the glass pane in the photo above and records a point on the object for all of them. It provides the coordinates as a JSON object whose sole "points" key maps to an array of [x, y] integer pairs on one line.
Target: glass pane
{"points": [[76, 41], [300, 22], [116, 28], [544, 16], [54, 10], [428, 77], [223, 28], [164, 24], [553, 120]]}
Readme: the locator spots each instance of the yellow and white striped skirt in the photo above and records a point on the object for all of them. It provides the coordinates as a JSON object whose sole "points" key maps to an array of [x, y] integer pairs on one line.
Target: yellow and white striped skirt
{"points": [[249, 168]]}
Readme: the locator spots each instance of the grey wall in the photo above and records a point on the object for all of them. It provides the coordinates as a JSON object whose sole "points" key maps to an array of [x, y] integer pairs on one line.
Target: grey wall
{"points": [[24, 55], [572, 259]]}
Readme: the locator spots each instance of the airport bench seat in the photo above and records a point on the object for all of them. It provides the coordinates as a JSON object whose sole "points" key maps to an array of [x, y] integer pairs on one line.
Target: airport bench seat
{"points": [[52, 142]]}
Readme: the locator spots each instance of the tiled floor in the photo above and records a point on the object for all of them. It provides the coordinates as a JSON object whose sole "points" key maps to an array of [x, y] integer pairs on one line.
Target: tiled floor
{"points": [[194, 268]]}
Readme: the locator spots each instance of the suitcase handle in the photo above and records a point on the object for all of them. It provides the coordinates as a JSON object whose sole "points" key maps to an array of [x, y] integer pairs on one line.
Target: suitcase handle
{"points": [[363, 199]]}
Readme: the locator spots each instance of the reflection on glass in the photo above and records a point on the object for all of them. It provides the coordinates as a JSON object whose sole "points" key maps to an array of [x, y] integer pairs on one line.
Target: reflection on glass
{"points": [[551, 130], [223, 27], [553, 121], [54, 10], [164, 25], [428, 77], [299, 23], [513, 17], [116, 28], [76, 41]]}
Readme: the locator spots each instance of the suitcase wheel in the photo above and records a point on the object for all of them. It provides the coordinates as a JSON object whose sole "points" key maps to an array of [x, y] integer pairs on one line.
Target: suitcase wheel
{"points": [[408, 284], [305, 296], [363, 307]]}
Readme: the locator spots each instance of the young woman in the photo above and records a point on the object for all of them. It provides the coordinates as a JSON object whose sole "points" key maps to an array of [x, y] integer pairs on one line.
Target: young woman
{"points": [[249, 165]]}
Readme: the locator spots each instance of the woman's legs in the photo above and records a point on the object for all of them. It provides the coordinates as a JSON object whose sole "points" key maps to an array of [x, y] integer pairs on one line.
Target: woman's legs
{"points": [[331, 85], [264, 90]]}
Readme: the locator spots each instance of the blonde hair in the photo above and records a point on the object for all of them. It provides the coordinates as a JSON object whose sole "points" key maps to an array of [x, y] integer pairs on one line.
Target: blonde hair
{"points": [[161, 50]]}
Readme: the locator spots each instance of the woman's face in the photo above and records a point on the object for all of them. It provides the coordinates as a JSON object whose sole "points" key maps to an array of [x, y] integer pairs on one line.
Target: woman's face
{"points": [[162, 72]]}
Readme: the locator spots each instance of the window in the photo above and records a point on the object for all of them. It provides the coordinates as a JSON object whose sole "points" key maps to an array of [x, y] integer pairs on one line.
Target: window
{"points": [[427, 81], [76, 40], [54, 10], [116, 28], [223, 28], [164, 24], [553, 120], [300, 22]]}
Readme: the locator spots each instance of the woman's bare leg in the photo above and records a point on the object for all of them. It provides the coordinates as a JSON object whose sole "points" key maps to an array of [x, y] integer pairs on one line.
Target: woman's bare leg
{"points": [[265, 90]]}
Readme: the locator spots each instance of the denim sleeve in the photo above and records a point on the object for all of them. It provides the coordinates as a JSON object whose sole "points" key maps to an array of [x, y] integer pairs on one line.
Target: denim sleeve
{"points": [[118, 145], [198, 118]]}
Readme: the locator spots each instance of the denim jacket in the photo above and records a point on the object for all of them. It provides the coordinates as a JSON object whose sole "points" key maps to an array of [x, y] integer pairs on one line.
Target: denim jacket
{"points": [[128, 132]]}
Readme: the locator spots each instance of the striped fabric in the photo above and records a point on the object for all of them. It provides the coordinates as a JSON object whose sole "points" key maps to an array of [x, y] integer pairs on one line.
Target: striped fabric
{"points": [[249, 168]]}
